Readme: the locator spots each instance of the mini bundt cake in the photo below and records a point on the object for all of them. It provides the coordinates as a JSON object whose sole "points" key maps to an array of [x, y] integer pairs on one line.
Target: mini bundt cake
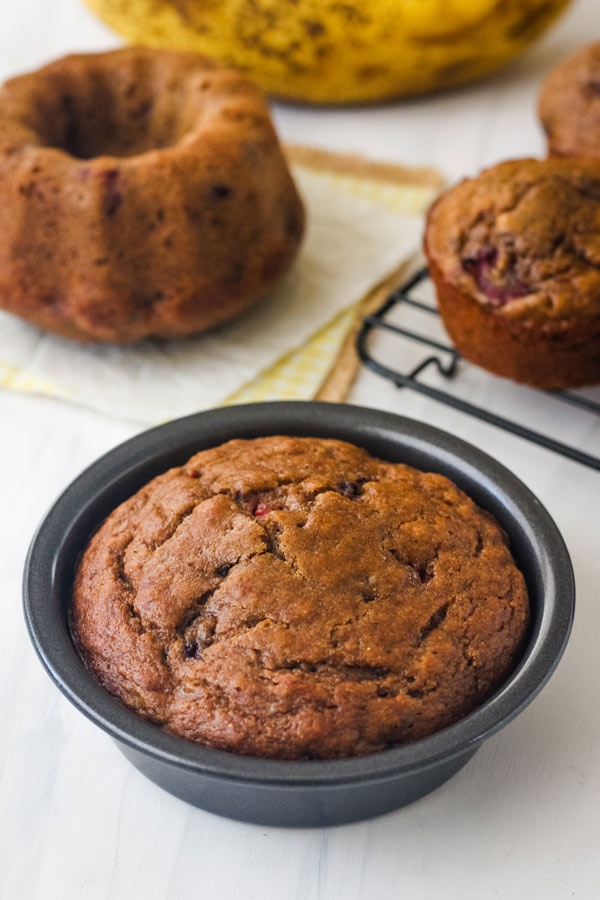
{"points": [[142, 193], [515, 257], [298, 598], [569, 105]]}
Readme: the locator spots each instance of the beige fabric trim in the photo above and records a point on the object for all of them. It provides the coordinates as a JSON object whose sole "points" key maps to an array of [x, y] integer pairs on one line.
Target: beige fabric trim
{"points": [[342, 375], [350, 164]]}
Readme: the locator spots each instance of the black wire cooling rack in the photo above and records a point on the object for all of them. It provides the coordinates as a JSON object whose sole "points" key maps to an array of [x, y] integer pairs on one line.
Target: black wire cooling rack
{"points": [[448, 366]]}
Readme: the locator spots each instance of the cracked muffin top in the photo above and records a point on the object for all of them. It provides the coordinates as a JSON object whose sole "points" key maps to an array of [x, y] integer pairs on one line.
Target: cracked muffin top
{"points": [[569, 105], [297, 598], [523, 238]]}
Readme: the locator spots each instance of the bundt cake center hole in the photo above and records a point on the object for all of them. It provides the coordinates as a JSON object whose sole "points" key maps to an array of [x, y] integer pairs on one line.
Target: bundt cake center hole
{"points": [[129, 123]]}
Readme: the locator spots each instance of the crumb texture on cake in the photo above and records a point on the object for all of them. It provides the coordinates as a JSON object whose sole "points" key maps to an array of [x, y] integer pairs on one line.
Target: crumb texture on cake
{"points": [[298, 598], [142, 193], [523, 238], [569, 105]]}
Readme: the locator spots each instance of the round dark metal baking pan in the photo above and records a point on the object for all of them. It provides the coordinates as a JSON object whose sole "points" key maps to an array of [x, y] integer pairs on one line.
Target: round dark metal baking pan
{"points": [[311, 792]]}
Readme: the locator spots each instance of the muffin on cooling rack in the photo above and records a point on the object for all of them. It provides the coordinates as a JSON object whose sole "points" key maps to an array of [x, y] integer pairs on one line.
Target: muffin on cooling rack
{"points": [[297, 598], [569, 105], [515, 257]]}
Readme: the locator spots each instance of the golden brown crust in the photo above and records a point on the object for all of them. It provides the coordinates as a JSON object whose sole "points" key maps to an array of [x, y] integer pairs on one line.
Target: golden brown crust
{"points": [[523, 237], [569, 105], [515, 256], [142, 192], [297, 598], [553, 356]]}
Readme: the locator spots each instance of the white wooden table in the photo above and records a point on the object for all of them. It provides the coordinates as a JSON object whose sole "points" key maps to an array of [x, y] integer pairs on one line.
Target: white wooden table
{"points": [[520, 821]]}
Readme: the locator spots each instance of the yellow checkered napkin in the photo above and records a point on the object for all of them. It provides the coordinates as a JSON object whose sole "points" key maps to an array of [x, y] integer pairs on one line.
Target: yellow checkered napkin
{"points": [[363, 221], [300, 374]]}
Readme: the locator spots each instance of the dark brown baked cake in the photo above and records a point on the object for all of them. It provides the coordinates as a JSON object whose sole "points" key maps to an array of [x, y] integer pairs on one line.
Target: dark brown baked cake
{"points": [[515, 257], [569, 105], [295, 597], [142, 192]]}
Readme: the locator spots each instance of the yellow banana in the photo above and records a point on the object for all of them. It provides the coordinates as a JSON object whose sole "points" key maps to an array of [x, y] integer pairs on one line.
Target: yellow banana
{"points": [[324, 51]]}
